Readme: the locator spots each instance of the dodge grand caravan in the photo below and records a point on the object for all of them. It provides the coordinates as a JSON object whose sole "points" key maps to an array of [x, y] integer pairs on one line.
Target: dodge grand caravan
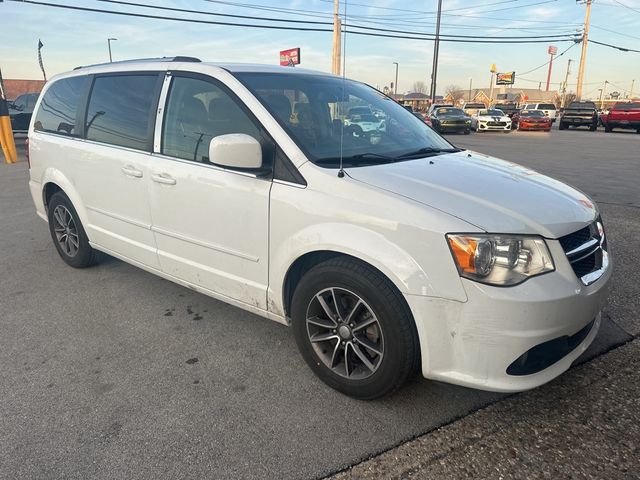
{"points": [[388, 251]]}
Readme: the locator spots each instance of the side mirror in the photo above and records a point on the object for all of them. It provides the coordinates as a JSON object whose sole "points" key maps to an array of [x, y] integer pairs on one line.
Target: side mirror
{"points": [[235, 150]]}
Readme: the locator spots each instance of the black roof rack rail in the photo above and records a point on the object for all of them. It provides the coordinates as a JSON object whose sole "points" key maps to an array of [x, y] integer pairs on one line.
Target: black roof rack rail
{"points": [[158, 59]]}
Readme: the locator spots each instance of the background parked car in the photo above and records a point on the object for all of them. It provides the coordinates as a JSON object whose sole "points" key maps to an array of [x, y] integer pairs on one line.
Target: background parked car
{"points": [[509, 109], [532, 120], [471, 108], [491, 120], [364, 122], [20, 111], [438, 105], [549, 109], [577, 114], [450, 120], [623, 115], [423, 117]]}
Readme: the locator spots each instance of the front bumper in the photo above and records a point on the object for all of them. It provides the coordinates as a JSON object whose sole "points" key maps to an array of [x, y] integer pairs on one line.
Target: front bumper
{"points": [[487, 127], [454, 127], [534, 126], [474, 343]]}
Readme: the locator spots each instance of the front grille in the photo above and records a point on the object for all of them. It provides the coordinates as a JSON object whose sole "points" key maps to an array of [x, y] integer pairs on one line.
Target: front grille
{"points": [[586, 250]]}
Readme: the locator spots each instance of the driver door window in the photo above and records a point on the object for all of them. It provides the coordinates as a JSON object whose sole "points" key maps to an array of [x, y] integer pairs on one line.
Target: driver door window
{"points": [[196, 112]]}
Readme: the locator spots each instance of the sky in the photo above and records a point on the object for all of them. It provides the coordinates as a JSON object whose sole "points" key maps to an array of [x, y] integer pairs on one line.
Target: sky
{"points": [[73, 38]]}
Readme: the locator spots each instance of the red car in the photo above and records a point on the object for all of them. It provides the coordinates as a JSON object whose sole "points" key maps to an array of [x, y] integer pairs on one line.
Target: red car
{"points": [[623, 115], [423, 117], [533, 120]]}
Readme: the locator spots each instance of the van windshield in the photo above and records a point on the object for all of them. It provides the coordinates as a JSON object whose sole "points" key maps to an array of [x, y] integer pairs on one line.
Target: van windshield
{"points": [[327, 116]]}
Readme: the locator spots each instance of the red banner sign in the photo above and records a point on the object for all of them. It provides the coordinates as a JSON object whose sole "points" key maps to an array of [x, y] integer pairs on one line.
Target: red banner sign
{"points": [[290, 57]]}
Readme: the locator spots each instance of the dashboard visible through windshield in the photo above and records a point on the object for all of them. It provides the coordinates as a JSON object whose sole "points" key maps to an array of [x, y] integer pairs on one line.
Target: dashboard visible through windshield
{"points": [[330, 118]]}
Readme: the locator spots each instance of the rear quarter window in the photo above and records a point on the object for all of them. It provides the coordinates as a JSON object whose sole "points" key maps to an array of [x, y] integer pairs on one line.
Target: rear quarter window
{"points": [[119, 110], [546, 106], [58, 108]]}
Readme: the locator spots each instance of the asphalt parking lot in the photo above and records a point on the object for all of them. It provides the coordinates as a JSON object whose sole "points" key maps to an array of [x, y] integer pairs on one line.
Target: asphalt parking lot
{"points": [[111, 372]]}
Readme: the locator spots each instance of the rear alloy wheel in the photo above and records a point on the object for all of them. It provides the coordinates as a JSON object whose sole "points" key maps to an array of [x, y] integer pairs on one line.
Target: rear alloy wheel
{"points": [[354, 329], [67, 233]]}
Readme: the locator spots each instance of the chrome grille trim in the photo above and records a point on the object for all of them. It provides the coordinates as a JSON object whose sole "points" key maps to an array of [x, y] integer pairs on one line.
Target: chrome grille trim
{"points": [[592, 250]]}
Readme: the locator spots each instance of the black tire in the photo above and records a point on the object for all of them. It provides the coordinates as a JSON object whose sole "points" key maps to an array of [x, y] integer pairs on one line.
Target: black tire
{"points": [[562, 126], [400, 357], [467, 131], [607, 128], [84, 255], [593, 127]]}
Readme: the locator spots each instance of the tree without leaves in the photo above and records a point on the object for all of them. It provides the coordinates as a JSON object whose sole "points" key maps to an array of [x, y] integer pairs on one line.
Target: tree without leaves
{"points": [[455, 93], [420, 87]]}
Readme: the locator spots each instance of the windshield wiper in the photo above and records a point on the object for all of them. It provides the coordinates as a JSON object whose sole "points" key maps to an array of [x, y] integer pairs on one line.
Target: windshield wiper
{"points": [[367, 157], [426, 151]]}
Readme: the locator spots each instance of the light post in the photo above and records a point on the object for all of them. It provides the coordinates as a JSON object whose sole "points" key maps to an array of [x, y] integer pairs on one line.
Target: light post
{"points": [[395, 85], [470, 83], [109, 44]]}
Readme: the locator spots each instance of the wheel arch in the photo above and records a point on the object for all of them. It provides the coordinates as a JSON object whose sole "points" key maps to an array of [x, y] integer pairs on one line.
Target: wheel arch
{"points": [[308, 260], [54, 181]]}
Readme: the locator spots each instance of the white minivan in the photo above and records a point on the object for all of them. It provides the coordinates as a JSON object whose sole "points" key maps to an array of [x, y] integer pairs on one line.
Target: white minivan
{"points": [[388, 251]]}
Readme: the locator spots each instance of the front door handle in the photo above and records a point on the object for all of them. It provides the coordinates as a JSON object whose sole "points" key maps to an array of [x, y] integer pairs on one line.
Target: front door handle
{"points": [[164, 178], [131, 171]]}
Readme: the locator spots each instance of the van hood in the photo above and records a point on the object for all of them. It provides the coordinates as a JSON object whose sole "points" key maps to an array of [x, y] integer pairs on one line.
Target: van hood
{"points": [[494, 195]]}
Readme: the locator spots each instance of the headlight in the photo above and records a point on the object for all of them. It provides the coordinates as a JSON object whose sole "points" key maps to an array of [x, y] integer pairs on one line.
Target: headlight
{"points": [[502, 260], [467, 121]]}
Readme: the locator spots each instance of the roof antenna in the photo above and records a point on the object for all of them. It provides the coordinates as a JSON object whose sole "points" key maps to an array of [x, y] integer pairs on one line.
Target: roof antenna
{"points": [[344, 73]]}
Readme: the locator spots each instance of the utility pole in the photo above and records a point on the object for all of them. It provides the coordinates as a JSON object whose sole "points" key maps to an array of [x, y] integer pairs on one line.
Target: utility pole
{"points": [[583, 55], [436, 49], [109, 43], [631, 91], [337, 27], [395, 85], [470, 83], [564, 87], [600, 101]]}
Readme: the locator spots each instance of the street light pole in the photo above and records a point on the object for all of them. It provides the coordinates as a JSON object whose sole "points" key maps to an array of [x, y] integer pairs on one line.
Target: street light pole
{"points": [[470, 83], [631, 91], [109, 44], [436, 49], [395, 85]]}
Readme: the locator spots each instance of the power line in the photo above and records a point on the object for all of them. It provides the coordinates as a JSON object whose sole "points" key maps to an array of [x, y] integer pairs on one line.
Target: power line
{"points": [[273, 19], [521, 40], [625, 6], [623, 49], [549, 61]]}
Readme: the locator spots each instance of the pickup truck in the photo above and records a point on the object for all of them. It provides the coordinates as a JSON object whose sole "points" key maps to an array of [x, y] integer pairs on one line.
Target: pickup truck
{"points": [[579, 114], [623, 115]]}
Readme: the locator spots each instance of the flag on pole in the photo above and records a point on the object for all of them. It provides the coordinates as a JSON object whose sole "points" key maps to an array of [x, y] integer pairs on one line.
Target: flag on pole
{"points": [[40, 45]]}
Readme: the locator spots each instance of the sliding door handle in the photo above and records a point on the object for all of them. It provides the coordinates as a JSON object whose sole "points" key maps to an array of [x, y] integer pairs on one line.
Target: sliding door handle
{"points": [[164, 178], [131, 171]]}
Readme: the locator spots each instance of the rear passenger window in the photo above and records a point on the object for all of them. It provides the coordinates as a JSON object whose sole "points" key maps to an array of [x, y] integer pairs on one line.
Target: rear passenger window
{"points": [[119, 110], [57, 111], [196, 112], [547, 106]]}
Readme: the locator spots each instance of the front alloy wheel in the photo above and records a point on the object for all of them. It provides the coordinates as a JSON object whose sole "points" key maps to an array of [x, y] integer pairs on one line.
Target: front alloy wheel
{"points": [[345, 333], [354, 328]]}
